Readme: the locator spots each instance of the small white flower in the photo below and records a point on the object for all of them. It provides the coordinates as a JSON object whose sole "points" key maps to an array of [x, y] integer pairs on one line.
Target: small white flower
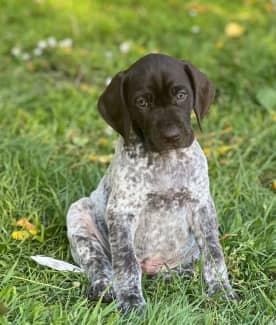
{"points": [[195, 29], [25, 56], [108, 81], [42, 44], [108, 54], [125, 47], [52, 42], [38, 51], [67, 42], [192, 12], [108, 131], [15, 51]]}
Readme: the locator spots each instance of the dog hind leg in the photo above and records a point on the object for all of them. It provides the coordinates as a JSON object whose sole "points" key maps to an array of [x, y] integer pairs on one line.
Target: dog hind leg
{"points": [[87, 235]]}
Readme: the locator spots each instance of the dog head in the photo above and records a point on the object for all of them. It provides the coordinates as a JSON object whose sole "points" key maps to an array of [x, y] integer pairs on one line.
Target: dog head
{"points": [[155, 98]]}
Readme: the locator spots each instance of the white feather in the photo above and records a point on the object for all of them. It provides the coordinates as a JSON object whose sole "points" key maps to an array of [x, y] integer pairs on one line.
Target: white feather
{"points": [[55, 264]]}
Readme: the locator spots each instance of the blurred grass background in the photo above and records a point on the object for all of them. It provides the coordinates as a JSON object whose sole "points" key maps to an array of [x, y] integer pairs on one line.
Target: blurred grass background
{"points": [[55, 60]]}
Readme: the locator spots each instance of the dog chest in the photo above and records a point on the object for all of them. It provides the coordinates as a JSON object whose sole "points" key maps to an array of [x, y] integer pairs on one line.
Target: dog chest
{"points": [[163, 236]]}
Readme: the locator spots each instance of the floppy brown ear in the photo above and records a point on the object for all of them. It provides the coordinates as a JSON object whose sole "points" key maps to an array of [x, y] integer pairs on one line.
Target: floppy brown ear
{"points": [[112, 107], [203, 90]]}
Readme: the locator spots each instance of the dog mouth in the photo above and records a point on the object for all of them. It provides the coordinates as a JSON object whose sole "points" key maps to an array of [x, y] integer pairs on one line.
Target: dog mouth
{"points": [[165, 145]]}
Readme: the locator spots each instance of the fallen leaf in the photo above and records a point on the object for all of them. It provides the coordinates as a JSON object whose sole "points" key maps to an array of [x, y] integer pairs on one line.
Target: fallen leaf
{"points": [[104, 159], [141, 49], [85, 87], [20, 235], [234, 30], [227, 129], [207, 151], [274, 185], [219, 44], [103, 141], [24, 223], [269, 6], [155, 50], [223, 149], [67, 50]]}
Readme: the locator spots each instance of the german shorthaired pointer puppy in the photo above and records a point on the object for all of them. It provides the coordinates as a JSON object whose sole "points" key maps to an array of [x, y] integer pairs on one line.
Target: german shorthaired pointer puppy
{"points": [[152, 210]]}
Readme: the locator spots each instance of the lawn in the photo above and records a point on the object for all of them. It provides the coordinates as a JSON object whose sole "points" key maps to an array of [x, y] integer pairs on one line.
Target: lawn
{"points": [[54, 147]]}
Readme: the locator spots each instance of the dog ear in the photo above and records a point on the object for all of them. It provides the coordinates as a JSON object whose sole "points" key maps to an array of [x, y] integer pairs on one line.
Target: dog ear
{"points": [[112, 106], [203, 90]]}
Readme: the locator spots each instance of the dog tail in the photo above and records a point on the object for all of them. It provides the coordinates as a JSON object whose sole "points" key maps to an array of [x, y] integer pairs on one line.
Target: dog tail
{"points": [[56, 264]]}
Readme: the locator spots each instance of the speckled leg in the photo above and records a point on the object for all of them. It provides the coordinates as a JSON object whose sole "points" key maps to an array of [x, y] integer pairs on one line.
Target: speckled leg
{"points": [[126, 269], [205, 229], [90, 248]]}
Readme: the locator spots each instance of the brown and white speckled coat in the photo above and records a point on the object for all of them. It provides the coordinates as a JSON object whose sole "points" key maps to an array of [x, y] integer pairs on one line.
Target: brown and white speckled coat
{"points": [[150, 212]]}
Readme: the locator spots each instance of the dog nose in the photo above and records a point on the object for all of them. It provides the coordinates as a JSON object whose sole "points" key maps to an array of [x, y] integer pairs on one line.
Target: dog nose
{"points": [[171, 134]]}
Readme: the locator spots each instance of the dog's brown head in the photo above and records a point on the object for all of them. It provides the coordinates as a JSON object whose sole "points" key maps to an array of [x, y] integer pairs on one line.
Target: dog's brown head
{"points": [[155, 98]]}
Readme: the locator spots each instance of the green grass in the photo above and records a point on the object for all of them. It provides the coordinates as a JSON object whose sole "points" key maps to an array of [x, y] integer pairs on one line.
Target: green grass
{"points": [[49, 127]]}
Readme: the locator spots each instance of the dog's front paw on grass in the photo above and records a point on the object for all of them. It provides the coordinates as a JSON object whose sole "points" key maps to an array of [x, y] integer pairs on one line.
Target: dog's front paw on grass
{"points": [[101, 288], [131, 302], [225, 293]]}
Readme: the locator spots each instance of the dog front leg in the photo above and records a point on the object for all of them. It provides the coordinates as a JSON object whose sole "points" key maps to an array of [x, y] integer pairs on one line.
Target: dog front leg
{"points": [[126, 269], [205, 229]]}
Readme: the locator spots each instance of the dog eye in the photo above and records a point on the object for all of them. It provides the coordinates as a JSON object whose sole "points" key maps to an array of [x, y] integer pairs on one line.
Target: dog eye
{"points": [[141, 102], [181, 95]]}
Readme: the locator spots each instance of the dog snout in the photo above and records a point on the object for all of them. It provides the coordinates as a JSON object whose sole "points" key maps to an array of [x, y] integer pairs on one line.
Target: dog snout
{"points": [[171, 134]]}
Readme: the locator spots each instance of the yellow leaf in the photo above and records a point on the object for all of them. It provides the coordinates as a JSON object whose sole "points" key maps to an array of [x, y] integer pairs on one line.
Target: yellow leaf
{"points": [[227, 129], [141, 49], [20, 235], [103, 141], [155, 50], [219, 44], [67, 50], [234, 30], [100, 158], [24, 223], [269, 6], [207, 151], [85, 87], [224, 149], [274, 185]]}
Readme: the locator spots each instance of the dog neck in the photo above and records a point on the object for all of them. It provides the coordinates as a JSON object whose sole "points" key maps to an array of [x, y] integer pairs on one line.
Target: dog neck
{"points": [[136, 148]]}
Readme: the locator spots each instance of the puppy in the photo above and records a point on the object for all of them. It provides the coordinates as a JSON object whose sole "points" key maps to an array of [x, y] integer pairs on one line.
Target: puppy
{"points": [[152, 210]]}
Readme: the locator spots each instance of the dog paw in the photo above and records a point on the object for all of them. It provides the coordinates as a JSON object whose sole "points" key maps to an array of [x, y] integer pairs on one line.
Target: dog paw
{"points": [[225, 292], [231, 296], [131, 302], [101, 288]]}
